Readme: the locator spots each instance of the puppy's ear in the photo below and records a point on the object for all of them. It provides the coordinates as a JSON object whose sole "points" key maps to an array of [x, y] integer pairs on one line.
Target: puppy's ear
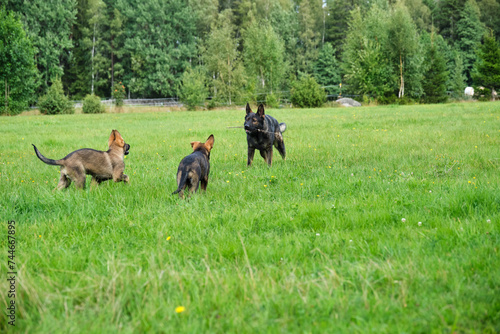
{"points": [[119, 139], [248, 109], [260, 111], [195, 144], [111, 138], [209, 144]]}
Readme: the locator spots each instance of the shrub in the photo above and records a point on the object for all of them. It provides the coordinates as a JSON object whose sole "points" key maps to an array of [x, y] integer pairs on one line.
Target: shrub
{"points": [[307, 93], [193, 90], [118, 93], [272, 100], [92, 105], [482, 93], [55, 102]]}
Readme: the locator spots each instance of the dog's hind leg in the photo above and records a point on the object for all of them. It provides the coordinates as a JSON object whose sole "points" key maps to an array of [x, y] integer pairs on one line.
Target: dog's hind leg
{"points": [[77, 174], [203, 184], [194, 182], [64, 182], [80, 181]]}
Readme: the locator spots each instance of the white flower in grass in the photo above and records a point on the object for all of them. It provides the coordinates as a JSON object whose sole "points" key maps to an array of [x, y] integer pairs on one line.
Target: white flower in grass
{"points": [[403, 220], [488, 221], [317, 234], [419, 223]]}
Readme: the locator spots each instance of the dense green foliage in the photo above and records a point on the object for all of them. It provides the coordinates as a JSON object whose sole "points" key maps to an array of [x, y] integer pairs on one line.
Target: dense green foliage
{"points": [[328, 241], [307, 93], [92, 105], [487, 68], [55, 102], [193, 90], [469, 32], [327, 69], [435, 76], [253, 48], [17, 69]]}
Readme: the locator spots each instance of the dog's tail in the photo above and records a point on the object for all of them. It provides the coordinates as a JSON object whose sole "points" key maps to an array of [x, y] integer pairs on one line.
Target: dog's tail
{"points": [[44, 159], [182, 182], [282, 127]]}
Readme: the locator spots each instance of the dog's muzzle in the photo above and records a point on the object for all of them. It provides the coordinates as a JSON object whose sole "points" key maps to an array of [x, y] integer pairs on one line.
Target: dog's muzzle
{"points": [[247, 129], [127, 147]]}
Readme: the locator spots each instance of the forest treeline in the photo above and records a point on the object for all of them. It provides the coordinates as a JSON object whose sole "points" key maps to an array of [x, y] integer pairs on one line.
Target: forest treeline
{"points": [[234, 50]]}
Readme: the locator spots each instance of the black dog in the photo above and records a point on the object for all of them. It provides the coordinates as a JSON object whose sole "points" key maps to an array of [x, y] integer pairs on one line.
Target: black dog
{"points": [[194, 168], [263, 131]]}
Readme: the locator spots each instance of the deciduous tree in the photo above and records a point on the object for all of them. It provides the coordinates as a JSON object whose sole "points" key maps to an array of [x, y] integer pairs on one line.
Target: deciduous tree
{"points": [[223, 61], [263, 56], [17, 67]]}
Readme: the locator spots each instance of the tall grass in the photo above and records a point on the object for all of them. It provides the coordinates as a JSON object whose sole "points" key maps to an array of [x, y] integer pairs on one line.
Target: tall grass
{"points": [[382, 219]]}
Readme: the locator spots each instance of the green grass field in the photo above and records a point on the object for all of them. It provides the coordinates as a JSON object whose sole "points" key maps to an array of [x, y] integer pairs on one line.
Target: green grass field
{"points": [[381, 220]]}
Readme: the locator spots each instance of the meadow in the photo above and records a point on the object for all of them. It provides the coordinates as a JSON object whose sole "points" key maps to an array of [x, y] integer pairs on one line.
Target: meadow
{"points": [[381, 220]]}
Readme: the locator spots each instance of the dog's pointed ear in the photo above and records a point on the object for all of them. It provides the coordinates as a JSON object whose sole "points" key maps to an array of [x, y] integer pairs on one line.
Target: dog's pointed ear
{"points": [[111, 138], [209, 144], [260, 111], [119, 139], [194, 144], [248, 109]]}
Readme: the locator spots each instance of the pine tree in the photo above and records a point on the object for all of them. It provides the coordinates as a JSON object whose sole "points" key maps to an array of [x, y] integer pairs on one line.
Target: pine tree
{"points": [[49, 25], [469, 32], [487, 70], [490, 15], [458, 79], [159, 42], [447, 15], [435, 77], [326, 69], [309, 34]]}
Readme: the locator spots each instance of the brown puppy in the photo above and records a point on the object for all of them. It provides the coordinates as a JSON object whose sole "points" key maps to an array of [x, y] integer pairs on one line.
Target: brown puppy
{"points": [[194, 168], [101, 165]]}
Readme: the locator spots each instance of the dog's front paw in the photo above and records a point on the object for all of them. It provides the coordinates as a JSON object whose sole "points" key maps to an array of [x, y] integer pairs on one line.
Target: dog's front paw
{"points": [[125, 178]]}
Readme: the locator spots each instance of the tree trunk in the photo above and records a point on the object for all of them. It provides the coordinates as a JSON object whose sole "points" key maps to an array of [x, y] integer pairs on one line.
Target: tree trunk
{"points": [[93, 50], [229, 77], [402, 85], [6, 96], [112, 66]]}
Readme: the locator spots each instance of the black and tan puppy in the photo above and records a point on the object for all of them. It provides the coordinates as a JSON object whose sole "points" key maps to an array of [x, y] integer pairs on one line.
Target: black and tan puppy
{"points": [[194, 168], [263, 131], [102, 165]]}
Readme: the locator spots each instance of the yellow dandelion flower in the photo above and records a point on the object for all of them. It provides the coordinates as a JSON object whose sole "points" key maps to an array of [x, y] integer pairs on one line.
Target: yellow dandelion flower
{"points": [[180, 309], [168, 238]]}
